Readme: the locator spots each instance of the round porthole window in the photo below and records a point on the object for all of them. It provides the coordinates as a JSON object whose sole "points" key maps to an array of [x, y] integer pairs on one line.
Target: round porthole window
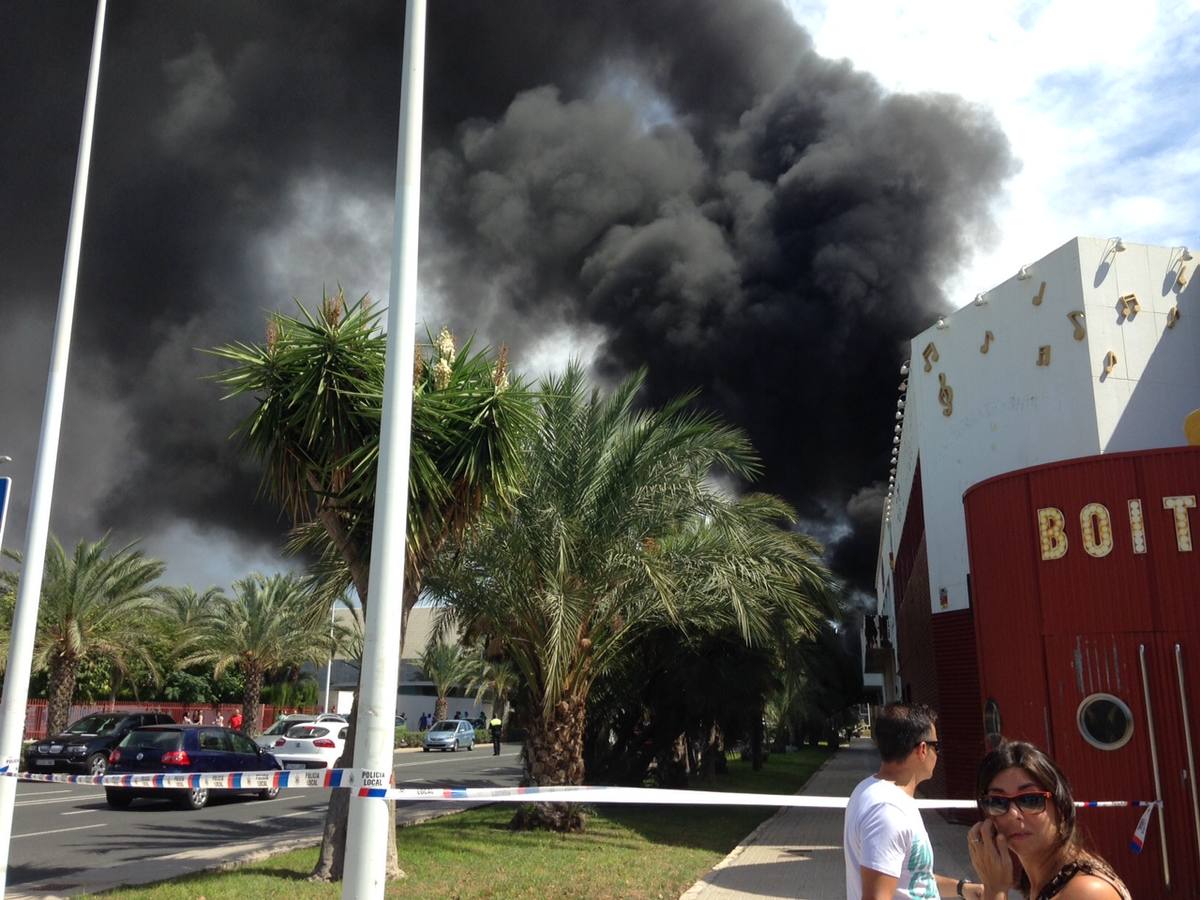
{"points": [[1105, 721], [991, 723]]}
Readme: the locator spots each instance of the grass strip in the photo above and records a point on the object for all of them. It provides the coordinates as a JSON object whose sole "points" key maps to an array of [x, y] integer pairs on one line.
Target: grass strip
{"points": [[626, 852]]}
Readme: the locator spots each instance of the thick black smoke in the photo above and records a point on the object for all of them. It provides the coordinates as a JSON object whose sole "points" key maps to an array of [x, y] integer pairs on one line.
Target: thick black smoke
{"points": [[685, 179]]}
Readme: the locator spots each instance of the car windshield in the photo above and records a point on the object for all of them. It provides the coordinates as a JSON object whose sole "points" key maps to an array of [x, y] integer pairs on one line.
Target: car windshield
{"points": [[100, 723], [154, 740], [445, 726], [281, 726], [307, 731]]}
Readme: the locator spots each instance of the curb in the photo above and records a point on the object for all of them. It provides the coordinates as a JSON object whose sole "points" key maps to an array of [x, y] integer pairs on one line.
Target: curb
{"points": [[698, 889]]}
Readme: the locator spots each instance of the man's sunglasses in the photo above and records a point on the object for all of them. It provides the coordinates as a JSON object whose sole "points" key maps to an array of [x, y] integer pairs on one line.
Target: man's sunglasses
{"points": [[935, 746], [1028, 801]]}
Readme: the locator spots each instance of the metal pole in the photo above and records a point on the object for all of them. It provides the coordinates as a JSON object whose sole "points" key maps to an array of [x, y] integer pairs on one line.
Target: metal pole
{"points": [[24, 629], [368, 834], [1162, 823], [1187, 734], [329, 665]]}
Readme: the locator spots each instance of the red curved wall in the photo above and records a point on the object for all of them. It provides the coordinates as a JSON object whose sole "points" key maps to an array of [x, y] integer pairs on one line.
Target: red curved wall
{"points": [[1052, 631]]}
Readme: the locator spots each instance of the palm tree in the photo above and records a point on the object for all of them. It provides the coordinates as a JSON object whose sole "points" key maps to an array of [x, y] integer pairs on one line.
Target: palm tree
{"points": [[92, 609], [495, 679], [618, 529], [318, 386], [269, 623], [448, 667]]}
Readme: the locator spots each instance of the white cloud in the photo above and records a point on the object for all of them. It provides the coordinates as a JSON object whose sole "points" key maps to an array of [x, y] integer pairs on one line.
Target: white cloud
{"points": [[1091, 94]]}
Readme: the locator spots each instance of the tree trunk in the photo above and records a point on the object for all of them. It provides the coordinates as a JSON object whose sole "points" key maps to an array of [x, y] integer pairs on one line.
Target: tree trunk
{"points": [[62, 691], [554, 756], [332, 859], [712, 751], [251, 708], [441, 708], [756, 742]]}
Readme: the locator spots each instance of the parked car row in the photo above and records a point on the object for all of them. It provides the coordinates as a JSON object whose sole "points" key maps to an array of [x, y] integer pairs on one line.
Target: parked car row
{"points": [[131, 743]]}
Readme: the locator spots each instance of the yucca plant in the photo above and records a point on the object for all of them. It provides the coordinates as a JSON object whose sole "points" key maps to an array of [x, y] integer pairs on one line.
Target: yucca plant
{"points": [[317, 382]]}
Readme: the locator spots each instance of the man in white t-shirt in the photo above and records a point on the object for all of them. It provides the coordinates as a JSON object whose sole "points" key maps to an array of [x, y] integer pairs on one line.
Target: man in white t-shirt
{"points": [[888, 854]]}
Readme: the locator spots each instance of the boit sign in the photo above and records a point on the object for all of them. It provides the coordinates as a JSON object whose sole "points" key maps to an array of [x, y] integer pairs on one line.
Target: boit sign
{"points": [[1096, 531]]}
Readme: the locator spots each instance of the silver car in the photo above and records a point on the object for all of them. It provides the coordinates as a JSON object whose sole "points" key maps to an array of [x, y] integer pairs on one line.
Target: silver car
{"points": [[450, 734], [280, 727]]}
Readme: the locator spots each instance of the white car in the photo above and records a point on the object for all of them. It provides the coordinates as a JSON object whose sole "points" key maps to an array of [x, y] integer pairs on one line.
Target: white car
{"points": [[279, 728], [313, 745]]}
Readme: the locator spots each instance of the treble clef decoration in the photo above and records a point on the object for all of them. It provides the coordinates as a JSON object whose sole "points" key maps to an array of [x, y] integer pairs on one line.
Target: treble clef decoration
{"points": [[945, 395]]}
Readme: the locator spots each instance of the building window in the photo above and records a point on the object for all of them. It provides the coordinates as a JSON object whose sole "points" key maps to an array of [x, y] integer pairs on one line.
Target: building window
{"points": [[991, 723], [1105, 721]]}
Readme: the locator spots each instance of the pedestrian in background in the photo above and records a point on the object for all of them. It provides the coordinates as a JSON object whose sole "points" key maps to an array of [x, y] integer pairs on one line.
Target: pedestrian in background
{"points": [[495, 726], [236, 720]]}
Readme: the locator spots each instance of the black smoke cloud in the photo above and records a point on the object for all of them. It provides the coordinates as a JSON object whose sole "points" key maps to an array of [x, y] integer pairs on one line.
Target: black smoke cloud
{"points": [[686, 179]]}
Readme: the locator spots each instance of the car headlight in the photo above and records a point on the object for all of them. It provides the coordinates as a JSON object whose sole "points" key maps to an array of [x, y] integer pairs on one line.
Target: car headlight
{"points": [[43, 748], [77, 749]]}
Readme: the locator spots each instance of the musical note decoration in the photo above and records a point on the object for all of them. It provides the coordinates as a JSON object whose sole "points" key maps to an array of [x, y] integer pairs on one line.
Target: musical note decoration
{"points": [[1173, 316], [1110, 362], [1129, 305], [988, 337], [1040, 295], [1043, 355], [930, 354], [945, 395], [1076, 317]]}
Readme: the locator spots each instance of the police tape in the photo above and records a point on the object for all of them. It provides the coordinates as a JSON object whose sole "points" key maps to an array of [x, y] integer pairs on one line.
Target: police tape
{"points": [[375, 785]]}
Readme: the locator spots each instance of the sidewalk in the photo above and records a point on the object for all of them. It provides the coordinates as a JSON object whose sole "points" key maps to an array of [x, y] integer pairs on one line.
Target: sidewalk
{"points": [[797, 853]]}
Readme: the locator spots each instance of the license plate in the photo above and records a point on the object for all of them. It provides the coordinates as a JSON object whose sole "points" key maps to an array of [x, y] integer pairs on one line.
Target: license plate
{"points": [[293, 765], [43, 762]]}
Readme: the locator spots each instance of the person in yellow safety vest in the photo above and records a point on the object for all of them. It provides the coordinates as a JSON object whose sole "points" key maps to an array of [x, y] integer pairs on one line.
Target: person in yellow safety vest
{"points": [[494, 725]]}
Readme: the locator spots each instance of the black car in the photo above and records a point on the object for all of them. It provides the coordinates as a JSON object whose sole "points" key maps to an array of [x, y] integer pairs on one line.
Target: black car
{"points": [[85, 745], [186, 749]]}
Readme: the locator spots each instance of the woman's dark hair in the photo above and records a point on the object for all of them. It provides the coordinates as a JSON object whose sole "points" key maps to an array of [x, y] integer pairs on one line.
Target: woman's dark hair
{"points": [[900, 728], [1069, 844]]}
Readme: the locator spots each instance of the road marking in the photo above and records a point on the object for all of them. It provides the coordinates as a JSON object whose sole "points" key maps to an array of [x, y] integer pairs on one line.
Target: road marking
{"points": [[303, 812], [59, 830], [74, 799], [41, 793], [456, 756], [79, 812]]}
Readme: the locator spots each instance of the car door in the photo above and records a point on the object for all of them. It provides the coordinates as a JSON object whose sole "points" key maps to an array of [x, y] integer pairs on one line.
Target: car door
{"points": [[215, 752], [466, 734], [246, 754]]}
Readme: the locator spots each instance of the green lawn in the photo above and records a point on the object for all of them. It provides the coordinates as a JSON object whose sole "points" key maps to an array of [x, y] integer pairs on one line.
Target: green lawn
{"points": [[635, 852]]}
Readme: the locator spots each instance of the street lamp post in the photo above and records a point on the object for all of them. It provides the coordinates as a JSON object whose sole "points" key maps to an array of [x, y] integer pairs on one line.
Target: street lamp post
{"points": [[25, 613], [329, 665], [375, 710]]}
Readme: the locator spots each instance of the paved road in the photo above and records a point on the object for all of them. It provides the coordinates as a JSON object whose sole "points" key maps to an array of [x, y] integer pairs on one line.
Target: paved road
{"points": [[66, 839]]}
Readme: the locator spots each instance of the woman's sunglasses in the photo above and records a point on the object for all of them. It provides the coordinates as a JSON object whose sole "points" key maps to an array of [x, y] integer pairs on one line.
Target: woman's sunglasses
{"points": [[1027, 801]]}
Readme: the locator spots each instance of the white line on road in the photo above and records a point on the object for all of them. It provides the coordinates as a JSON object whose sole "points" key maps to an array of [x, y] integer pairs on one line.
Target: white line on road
{"points": [[303, 812], [75, 799], [59, 830], [41, 793], [79, 812], [426, 762]]}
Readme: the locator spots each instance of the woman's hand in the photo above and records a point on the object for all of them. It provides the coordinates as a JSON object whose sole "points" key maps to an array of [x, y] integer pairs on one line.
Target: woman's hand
{"points": [[991, 859]]}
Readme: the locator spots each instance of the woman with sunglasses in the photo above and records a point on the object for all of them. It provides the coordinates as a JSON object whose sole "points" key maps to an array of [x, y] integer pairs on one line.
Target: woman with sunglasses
{"points": [[1028, 808]]}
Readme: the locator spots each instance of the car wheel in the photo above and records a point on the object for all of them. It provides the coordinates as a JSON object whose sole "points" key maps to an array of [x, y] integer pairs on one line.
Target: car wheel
{"points": [[194, 798], [424, 749], [471, 746], [454, 749], [269, 794], [97, 764], [118, 799]]}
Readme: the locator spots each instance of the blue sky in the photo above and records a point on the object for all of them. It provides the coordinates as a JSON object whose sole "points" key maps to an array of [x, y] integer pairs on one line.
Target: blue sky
{"points": [[1096, 98]]}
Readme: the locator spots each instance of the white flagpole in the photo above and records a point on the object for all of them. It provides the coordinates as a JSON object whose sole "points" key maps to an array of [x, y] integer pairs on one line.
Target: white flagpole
{"points": [[24, 629], [367, 837]]}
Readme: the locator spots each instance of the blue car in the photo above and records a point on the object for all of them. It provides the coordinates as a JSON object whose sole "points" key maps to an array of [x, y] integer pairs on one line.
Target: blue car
{"points": [[185, 749]]}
